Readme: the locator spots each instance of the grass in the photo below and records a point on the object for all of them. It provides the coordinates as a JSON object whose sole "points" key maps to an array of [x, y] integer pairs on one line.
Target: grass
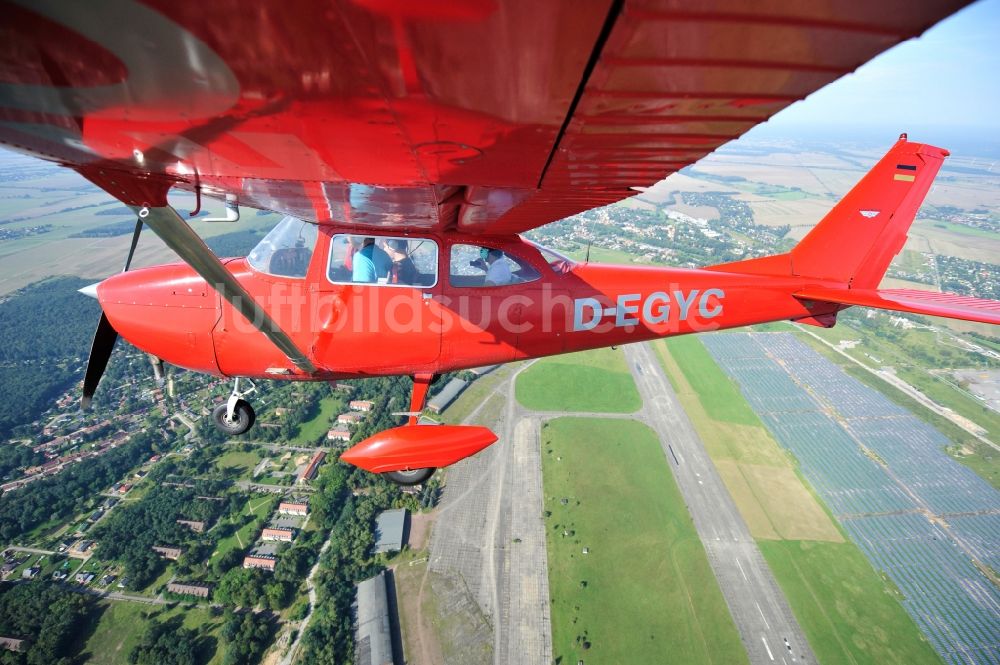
{"points": [[237, 463], [260, 508], [720, 395], [474, 395], [120, 626], [317, 426], [759, 475], [645, 588], [847, 610], [591, 382]]}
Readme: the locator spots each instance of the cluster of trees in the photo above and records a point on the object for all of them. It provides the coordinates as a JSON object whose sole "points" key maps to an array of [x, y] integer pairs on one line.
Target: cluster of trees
{"points": [[237, 243], [109, 230], [14, 457], [129, 533], [165, 643], [47, 616], [246, 636], [58, 496], [46, 328], [241, 587]]}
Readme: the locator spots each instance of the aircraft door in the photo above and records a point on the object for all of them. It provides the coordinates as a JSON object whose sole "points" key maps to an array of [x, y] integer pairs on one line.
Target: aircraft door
{"points": [[380, 309]]}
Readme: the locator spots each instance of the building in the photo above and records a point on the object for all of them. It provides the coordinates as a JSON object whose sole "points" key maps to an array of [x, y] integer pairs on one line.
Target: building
{"points": [[443, 399], [349, 418], [293, 508], [30, 573], [13, 643], [124, 488], [344, 387], [373, 628], [390, 526], [283, 535], [168, 552], [84, 578], [338, 434], [280, 411], [197, 590], [309, 472], [362, 405], [484, 370], [194, 525], [259, 561]]}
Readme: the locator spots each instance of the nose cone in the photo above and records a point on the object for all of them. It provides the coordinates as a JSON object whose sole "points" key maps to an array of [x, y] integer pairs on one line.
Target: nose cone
{"points": [[90, 290], [168, 311]]}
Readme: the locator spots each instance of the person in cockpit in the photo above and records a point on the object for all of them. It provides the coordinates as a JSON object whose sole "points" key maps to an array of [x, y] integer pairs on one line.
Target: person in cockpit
{"points": [[370, 263]]}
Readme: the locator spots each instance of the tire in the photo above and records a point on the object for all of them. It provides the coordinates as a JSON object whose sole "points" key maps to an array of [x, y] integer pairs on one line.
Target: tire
{"points": [[243, 418], [411, 477]]}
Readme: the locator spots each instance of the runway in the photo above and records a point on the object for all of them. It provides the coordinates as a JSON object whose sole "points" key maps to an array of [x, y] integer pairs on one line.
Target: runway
{"points": [[763, 618]]}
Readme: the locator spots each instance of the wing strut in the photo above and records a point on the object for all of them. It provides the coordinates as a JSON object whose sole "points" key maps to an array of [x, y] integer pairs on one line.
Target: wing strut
{"points": [[181, 238]]}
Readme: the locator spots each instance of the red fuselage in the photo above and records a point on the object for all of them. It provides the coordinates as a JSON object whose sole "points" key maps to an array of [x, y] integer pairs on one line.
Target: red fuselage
{"points": [[351, 330]]}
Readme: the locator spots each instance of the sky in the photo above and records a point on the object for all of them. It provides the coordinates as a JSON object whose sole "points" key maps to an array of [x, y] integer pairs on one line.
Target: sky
{"points": [[944, 84]]}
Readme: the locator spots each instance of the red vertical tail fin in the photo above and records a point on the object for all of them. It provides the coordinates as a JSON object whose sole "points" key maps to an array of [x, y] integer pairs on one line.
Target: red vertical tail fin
{"points": [[855, 242]]}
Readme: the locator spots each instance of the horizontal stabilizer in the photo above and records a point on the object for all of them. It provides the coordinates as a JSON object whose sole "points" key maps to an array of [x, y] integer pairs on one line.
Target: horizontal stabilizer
{"points": [[932, 303]]}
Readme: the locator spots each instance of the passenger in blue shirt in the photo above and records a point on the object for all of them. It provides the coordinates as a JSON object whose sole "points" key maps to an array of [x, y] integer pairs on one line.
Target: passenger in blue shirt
{"points": [[371, 263]]}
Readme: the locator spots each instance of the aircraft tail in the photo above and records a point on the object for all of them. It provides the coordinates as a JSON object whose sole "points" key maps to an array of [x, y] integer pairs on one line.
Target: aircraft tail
{"points": [[859, 237], [851, 248]]}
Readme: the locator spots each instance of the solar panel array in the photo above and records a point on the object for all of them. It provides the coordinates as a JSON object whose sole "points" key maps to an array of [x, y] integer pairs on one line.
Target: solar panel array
{"points": [[918, 515]]}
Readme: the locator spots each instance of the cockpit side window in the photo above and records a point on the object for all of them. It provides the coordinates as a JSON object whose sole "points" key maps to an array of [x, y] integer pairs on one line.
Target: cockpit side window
{"points": [[287, 250], [477, 265], [382, 260]]}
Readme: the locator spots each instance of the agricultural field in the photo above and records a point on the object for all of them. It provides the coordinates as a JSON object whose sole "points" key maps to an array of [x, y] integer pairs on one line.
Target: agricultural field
{"points": [[591, 382], [610, 498]]}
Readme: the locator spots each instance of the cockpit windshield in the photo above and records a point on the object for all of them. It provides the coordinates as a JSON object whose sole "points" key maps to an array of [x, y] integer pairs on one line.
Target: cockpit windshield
{"points": [[558, 262], [287, 250]]}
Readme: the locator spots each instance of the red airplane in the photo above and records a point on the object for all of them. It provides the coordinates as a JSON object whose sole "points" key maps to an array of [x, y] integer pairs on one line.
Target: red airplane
{"points": [[410, 144]]}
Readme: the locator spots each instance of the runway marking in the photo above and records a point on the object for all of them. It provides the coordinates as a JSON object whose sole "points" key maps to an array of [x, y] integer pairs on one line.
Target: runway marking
{"points": [[769, 654], [762, 615], [742, 572]]}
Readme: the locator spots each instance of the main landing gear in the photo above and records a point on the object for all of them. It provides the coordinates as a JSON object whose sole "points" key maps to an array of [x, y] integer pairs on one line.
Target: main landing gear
{"points": [[410, 454], [235, 416]]}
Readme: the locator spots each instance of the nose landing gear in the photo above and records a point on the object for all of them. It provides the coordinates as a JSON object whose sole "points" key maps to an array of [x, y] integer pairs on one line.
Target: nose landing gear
{"points": [[235, 416]]}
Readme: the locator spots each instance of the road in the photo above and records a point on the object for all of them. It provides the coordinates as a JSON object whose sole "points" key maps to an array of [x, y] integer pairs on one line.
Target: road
{"points": [[758, 607]]}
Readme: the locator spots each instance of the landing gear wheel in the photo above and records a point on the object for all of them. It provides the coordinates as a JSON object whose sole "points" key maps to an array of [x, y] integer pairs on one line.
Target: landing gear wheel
{"points": [[410, 477], [242, 420]]}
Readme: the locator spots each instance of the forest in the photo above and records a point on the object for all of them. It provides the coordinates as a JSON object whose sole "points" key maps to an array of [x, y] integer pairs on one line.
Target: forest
{"points": [[45, 614], [46, 328], [59, 496]]}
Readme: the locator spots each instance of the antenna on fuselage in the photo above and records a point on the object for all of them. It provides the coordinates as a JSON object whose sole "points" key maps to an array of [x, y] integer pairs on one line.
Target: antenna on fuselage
{"points": [[587, 257]]}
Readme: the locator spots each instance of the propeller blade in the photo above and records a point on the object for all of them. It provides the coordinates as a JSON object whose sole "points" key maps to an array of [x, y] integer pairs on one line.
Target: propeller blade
{"points": [[135, 241], [100, 353], [105, 336]]}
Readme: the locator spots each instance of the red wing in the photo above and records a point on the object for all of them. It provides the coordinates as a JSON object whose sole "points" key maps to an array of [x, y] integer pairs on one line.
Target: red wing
{"points": [[908, 300], [487, 116]]}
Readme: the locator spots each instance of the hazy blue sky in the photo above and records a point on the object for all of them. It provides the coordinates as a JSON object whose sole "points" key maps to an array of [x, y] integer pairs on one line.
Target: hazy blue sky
{"points": [[946, 82]]}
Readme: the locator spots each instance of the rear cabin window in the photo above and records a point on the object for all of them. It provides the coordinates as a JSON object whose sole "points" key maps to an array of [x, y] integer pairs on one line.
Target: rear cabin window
{"points": [[383, 260]]}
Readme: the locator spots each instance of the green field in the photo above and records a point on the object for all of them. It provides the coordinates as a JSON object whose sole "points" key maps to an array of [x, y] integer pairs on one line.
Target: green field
{"points": [[848, 612], [120, 626], [721, 397], [645, 588], [317, 426], [590, 382], [259, 508], [474, 395], [236, 463]]}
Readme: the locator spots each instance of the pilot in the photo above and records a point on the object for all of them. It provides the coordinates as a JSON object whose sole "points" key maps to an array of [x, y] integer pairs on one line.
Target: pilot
{"points": [[402, 270], [498, 273], [370, 263]]}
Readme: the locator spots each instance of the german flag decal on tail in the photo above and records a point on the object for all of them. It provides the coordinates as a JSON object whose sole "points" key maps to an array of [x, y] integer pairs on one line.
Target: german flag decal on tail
{"points": [[905, 172]]}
